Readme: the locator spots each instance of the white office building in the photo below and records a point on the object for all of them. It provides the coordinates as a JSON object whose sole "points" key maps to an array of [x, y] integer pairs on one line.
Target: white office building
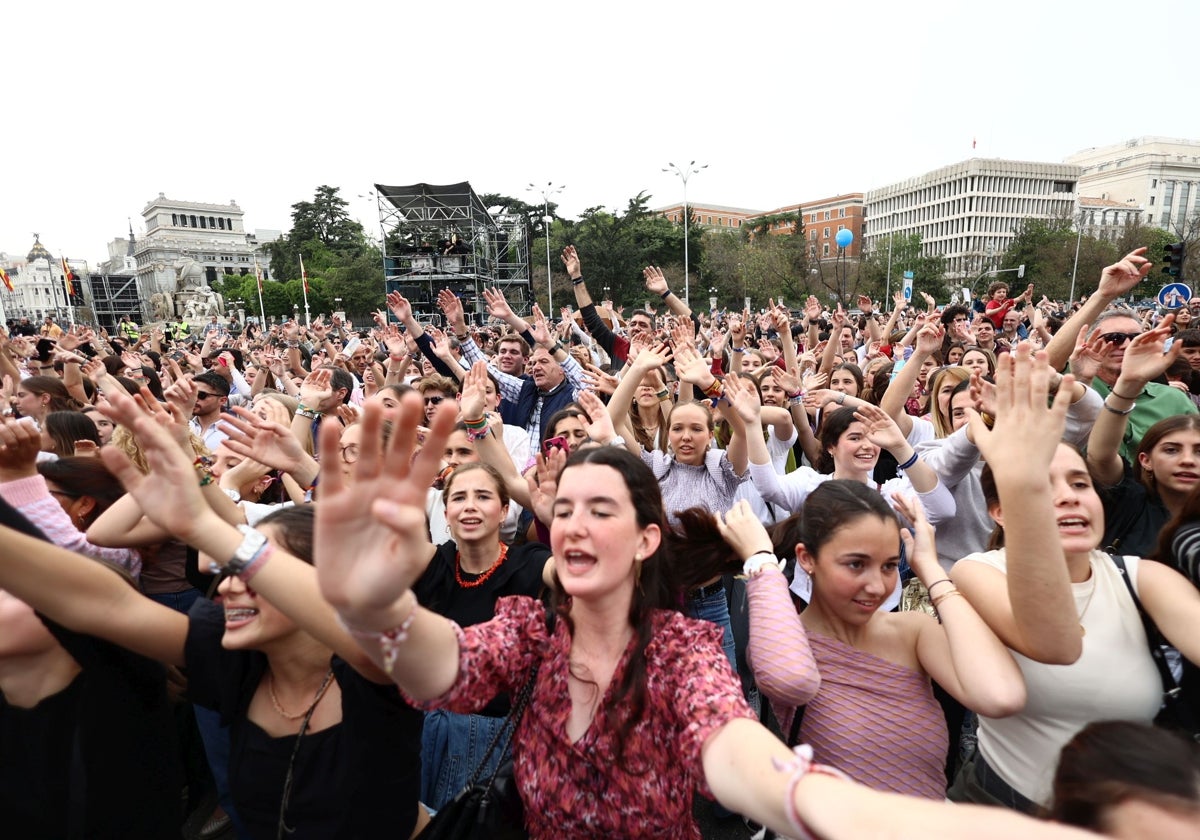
{"points": [[969, 212]]}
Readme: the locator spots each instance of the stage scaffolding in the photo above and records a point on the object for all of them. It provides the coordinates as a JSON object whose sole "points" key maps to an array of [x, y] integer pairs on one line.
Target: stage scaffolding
{"points": [[442, 237]]}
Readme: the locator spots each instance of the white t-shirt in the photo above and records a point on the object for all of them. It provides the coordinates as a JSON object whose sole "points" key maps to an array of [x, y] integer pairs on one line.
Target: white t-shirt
{"points": [[778, 450], [1114, 679]]}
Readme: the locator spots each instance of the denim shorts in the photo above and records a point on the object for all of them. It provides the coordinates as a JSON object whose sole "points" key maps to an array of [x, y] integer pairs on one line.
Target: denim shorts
{"points": [[452, 745]]}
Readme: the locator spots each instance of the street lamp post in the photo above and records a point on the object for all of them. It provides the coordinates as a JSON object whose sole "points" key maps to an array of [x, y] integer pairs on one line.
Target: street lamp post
{"points": [[545, 192], [1075, 266], [712, 298], [685, 173]]}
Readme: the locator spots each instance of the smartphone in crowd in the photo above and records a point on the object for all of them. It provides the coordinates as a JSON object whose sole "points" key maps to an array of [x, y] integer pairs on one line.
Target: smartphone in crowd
{"points": [[557, 442]]}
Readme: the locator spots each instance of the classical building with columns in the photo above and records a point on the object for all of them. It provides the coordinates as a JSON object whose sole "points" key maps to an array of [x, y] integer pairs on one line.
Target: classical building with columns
{"points": [[180, 233]]}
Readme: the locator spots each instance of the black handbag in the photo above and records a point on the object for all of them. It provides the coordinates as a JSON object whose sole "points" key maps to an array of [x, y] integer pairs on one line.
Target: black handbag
{"points": [[488, 809], [1175, 713]]}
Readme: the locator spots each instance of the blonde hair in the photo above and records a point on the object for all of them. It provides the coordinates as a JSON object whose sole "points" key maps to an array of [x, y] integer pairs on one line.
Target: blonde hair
{"points": [[123, 440]]}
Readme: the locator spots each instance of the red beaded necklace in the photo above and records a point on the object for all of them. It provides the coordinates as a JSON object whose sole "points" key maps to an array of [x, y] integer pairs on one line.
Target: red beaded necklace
{"points": [[471, 584]]}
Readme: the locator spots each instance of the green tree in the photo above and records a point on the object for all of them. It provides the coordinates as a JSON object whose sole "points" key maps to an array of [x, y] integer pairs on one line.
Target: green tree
{"points": [[907, 253], [1047, 247], [615, 247]]}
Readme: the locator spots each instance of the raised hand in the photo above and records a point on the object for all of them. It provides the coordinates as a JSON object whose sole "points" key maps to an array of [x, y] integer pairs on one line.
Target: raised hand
{"points": [[316, 389], [866, 304], [929, 338], [570, 259], [880, 427], [266, 441], [789, 381], [744, 398], [741, 528], [1089, 354], [1120, 277], [600, 428], [683, 332], [1144, 358], [168, 492], [543, 484], [919, 546], [399, 306], [497, 305], [540, 328], [1026, 431], [597, 380], [691, 367], [370, 531], [473, 402], [654, 279], [812, 308], [451, 307]]}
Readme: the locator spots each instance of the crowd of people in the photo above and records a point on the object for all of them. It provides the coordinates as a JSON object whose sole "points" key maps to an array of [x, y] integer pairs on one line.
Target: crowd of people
{"points": [[925, 571]]}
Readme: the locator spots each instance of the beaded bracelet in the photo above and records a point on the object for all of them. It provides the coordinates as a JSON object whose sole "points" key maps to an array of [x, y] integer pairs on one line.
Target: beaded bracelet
{"points": [[203, 466], [801, 765], [389, 641]]}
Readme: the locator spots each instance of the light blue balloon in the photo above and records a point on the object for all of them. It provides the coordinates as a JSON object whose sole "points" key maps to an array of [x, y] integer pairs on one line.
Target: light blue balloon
{"points": [[844, 238]]}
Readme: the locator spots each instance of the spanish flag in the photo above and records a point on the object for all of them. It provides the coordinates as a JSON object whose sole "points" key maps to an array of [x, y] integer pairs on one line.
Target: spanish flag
{"points": [[5, 279], [69, 280]]}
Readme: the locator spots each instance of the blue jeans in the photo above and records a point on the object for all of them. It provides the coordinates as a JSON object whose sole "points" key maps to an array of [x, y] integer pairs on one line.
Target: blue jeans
{"points": [[714, 607], [452, 745]]}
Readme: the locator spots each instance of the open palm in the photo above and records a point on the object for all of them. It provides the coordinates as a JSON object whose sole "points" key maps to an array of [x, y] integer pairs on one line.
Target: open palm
{"points": [[370, 530]]}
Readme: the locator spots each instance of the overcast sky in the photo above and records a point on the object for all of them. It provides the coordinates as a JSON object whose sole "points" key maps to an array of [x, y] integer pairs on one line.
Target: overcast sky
{"points": [[261, 102]]}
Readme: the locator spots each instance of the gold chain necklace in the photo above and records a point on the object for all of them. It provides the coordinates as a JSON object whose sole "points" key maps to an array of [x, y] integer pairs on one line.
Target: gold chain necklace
{"points": [[316, 698]]}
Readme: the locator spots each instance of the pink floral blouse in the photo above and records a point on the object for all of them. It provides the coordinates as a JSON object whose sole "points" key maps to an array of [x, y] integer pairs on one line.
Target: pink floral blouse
{"points": [[579, 789]]}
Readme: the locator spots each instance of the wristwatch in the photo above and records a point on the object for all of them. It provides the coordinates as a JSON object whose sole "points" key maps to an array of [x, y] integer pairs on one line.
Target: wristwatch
{"points": [[253, 542]]}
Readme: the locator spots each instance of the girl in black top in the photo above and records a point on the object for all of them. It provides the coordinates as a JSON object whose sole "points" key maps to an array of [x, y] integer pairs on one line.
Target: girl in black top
{"points": [[322, 746]]}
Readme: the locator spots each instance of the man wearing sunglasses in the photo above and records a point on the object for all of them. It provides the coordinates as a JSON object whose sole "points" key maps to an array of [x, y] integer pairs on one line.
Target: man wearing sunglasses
{"points": [[211, 393], [1119, 326]]}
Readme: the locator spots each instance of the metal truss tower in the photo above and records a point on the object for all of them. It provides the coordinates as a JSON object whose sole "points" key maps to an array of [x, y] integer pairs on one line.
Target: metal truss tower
{"points": [[442, 237]]}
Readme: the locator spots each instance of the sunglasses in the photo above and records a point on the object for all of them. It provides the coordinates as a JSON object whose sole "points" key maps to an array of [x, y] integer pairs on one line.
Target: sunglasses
{"points": [[434, 400], [203, 395], [1119, 338]]}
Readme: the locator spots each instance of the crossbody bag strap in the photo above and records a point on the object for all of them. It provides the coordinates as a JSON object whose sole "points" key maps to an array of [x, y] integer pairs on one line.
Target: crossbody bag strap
{"points": [[1153, 636]]}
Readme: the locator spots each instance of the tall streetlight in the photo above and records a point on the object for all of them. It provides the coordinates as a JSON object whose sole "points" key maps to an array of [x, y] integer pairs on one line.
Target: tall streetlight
{"points": [[545, 192], [685, 173]]}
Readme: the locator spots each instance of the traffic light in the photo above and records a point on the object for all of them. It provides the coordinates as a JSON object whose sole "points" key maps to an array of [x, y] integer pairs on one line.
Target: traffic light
{"points": [[1175, 254]]}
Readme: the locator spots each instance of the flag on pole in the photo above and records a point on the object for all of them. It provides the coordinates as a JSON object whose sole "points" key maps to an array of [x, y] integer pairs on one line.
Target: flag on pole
{"points": [[4, 278], [303, 275], [69, 280], [258, 275]]}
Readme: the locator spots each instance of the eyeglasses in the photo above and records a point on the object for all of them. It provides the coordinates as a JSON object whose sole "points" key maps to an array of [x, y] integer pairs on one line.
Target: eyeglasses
{"points": [[1119, 338], [434, 400], [350, 453]]}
